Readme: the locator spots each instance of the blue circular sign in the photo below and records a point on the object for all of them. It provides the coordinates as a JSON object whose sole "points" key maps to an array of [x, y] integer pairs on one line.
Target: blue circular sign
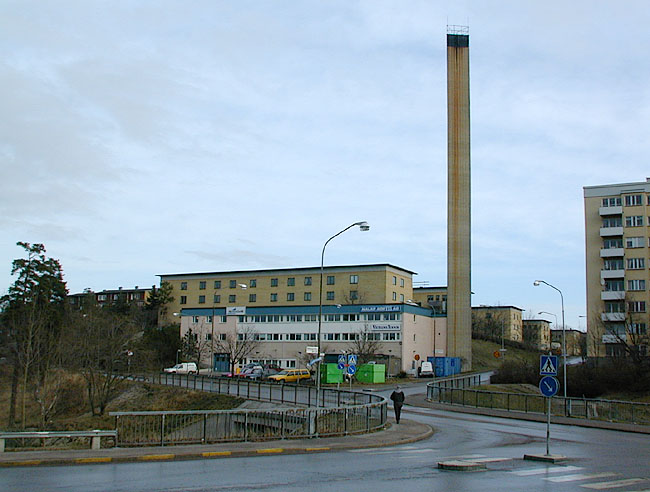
{"points": [[340, 366], [549, 386], [352, 369]]}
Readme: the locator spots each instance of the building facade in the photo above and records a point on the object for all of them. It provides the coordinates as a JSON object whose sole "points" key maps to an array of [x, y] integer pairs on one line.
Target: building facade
{"points": [[135, 296], [431, 297], [493, 322], [537, 333], [617, 218]]}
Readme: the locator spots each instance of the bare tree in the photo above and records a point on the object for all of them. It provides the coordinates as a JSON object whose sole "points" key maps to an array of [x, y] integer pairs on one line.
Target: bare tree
{"points": [[195, 345], [365, 344], [238, 346]]}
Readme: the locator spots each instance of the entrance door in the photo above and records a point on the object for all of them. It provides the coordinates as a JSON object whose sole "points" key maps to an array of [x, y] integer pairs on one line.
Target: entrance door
{"points": [[221, 363]]}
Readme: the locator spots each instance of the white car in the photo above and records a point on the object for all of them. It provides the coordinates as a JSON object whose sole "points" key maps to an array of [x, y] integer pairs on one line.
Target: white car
{"points": [[183, 368], [426, 370]]}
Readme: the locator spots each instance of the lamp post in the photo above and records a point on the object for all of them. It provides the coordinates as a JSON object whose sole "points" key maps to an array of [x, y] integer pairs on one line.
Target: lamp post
{"points": [[363, 226], [536, 284]]}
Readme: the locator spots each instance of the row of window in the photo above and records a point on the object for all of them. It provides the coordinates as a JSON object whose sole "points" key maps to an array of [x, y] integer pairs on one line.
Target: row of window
{"points": [[307, 318], [273, 297], [274, 282], [326, 337], [623, 329], [620, 307], [630, 201], [621, 264], [630, 221], [618, 285]]}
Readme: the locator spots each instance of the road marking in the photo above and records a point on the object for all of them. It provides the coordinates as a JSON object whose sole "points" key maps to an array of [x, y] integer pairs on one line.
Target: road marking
{"points": [[614, 484], [208, 454], [384, 450], [580, 476], [154, 457], [105, 459], [541, 471], [318, 449], [270, 450], [22, 463]]}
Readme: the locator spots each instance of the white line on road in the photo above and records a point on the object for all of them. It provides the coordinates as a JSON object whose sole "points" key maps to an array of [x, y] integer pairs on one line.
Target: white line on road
{"points": [[615, 484], [540, 471], [580, 476]]}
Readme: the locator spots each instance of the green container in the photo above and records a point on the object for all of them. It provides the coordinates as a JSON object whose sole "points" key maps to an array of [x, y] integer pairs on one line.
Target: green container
{"points": [[330, 373], [371, 373]]}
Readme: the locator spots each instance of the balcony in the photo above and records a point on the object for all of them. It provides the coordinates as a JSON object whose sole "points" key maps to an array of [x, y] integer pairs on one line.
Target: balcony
{"points": [[610, 210], [611, 252], [612, 316], [614, 338], [611, 231], [605, 274], [612, 295]]}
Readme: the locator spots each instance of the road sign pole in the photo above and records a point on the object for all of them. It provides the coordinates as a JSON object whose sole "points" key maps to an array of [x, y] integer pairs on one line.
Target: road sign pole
{"points": [[548, 424]]}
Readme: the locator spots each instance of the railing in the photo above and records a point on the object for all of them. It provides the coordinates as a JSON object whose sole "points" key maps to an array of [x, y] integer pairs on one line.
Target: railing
{"points": [[457, 391], [339, 413], [41, 436]]}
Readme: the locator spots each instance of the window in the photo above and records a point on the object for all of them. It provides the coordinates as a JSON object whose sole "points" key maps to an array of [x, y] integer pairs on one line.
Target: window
{"points": [[392, 316], [290, 296], [350, 317], [394, 280], [183, 285], [634, 242], [330, 280], [183, 299], [638, 328], [232, 298], [291, 281], [613, 285], [216, 299], [202, 285], [636, 307], [614, 307], [307, 280], [217, 284], [253, 283], [224, 319], [612, 243], [613, 264], [633, 200], [330, 295], [612, 202], [201, 299], [208, 336], [307, 296], [274, 282], [401, 282], [232, 284], [209, 318], [354, 279], [612, 222], [401, 298], [635, 263], [354, 295], [636, 285], [633, 220], [394, 296], [195, 319], [373, 317], [252, 297], [274, 297]]}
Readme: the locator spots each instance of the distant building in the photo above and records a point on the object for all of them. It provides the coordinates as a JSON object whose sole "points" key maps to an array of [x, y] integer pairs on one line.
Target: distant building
{"points": [[432, 297], [617, 237], [575, 341], [135, 296], [537, 333], [495, 322]]}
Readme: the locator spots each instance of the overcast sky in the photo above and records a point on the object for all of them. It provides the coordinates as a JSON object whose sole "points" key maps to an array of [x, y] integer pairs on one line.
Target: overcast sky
{"points": [[140, 138]]}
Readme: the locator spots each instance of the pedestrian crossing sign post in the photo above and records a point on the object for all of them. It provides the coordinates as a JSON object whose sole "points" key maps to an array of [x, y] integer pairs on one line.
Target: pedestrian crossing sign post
{"points": [[548, 365]]}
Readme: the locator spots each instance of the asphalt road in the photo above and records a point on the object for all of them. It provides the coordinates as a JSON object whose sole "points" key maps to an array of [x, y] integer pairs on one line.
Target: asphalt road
{"points": [[600, 460]]}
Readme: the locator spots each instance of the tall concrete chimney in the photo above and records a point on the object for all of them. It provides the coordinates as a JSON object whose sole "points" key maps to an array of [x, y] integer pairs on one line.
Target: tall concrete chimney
{"points": [[459, 302]]}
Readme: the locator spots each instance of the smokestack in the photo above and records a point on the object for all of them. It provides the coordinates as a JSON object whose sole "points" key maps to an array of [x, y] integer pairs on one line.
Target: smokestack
{"points": [[459, 302]]}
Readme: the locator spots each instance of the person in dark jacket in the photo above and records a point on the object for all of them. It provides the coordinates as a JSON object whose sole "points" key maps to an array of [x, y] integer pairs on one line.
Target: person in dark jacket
{"points": [[398, 401]]}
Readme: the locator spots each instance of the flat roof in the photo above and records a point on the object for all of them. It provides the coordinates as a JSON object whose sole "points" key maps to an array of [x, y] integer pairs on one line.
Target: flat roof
{"points": [[269, 271]]}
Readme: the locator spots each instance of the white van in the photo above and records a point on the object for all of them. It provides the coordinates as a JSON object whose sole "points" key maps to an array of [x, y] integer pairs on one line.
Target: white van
{"points": [[426, 369], [183, 368]]}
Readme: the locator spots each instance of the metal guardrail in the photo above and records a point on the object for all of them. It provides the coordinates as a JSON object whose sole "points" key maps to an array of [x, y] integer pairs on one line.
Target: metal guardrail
{"points": [[40, 436], [458, 391], [340, 412]]}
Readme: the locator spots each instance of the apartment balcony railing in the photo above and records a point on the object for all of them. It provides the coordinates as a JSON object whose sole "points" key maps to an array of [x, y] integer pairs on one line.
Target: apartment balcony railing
{"points": [[612, 295], [612, 252], [611, 231], [610, 210], [612, 316], [605, 274]]}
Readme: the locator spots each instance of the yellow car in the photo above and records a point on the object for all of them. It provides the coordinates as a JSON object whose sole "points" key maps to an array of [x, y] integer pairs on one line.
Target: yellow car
{"points": [[291, 375]]}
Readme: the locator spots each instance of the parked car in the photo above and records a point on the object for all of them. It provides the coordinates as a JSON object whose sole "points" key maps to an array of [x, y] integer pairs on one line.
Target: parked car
{"points": [[183, 368], [425, 370], [291, 375], [264, 372]]}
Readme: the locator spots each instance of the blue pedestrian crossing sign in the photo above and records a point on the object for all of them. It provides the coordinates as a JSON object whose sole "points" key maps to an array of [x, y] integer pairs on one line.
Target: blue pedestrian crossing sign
{"points": [[341, 362], [352, 359], [548, 365]]}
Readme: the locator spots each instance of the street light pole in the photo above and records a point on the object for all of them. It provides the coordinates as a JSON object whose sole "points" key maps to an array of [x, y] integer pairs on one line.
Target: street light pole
{"points": [[555, 325], [363, 226], [536, 284]]}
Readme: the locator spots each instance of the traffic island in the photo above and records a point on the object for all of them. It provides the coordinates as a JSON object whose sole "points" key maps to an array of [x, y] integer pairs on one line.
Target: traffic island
{"points": [[461, 465], [546, 458]]}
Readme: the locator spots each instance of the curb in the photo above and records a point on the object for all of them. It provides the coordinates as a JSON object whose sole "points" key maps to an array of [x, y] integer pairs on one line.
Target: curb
{"points": [[162, 457]]}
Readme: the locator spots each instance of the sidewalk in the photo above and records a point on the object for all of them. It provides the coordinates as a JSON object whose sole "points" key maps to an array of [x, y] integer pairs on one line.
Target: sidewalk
{"points": [[407, 431], [420, 400]]}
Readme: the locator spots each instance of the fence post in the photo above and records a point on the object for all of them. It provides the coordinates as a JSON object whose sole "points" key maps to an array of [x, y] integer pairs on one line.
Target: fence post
{"points": [[245, 425], [367, 418], [205, 426], [162, 430]]}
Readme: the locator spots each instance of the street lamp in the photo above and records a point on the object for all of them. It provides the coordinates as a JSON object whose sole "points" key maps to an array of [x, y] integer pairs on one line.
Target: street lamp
{"points": [[363, 226], [555, 325], [536, 284]]}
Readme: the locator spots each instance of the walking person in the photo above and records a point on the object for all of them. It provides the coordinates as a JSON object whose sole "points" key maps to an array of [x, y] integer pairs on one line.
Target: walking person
{"points": [[398, 401]]}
